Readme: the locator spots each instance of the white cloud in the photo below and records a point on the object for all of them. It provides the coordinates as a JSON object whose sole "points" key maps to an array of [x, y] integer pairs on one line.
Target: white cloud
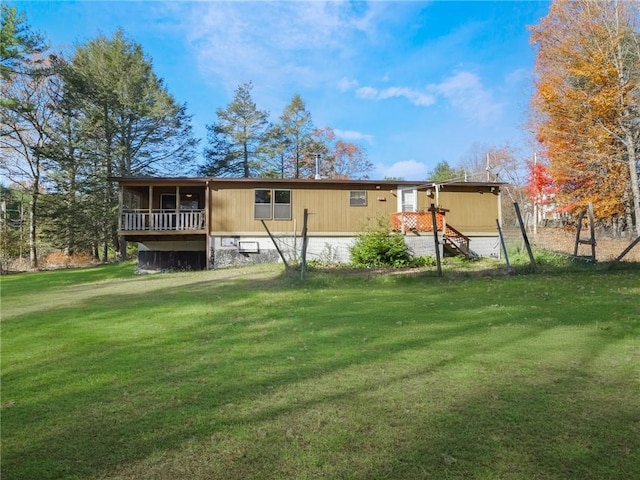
{"points": [[367, 92], [518, 76], [353, 135], [415, 97], [274, 44], [345, 84], [405, 169], [465, 92]]}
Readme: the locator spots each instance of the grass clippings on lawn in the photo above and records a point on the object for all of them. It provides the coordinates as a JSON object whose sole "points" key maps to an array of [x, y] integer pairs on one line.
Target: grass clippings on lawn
{"points": [[250, 373]]}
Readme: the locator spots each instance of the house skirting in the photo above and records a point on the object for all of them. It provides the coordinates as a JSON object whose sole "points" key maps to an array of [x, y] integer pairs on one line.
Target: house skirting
{"points": [[232, 251], [238, 250], [485, 244], [172, 255]]}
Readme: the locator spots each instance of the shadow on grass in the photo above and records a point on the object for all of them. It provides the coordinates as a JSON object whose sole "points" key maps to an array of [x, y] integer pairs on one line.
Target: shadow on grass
{"points": [[130, 379]]}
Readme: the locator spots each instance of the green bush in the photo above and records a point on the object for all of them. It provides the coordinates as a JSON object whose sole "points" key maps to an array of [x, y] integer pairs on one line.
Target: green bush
{"points": [[381, 248]]}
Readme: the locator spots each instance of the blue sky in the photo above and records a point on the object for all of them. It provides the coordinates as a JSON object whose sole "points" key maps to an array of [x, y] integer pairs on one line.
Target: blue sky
{"points": [[414, 83]]}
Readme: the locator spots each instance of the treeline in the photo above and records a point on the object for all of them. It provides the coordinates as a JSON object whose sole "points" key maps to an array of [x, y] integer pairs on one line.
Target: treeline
{"points": [[242, 143], [69, 125]]}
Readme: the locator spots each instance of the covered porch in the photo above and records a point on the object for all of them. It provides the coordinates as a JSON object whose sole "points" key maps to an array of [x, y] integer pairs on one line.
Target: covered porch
{"points": [[161, 209]]}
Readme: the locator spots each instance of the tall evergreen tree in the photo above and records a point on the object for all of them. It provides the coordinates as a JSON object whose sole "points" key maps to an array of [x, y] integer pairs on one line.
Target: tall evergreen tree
{"points": [[298, 130], [219, 155], [236, 140], [131, 124], [19, 45], [276, 148]]}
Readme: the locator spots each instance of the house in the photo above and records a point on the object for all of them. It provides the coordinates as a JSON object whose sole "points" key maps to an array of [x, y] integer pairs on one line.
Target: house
{"points": [[200, 223]]}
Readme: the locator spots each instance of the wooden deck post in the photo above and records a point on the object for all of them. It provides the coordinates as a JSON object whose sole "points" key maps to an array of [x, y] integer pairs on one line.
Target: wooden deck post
{"points": [[207, 241], [120, 206], [178, 223], [150, 226]]}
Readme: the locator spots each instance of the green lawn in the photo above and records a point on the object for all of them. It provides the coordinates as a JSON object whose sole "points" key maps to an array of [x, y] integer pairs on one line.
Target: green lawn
{"points": [[250, 374]]}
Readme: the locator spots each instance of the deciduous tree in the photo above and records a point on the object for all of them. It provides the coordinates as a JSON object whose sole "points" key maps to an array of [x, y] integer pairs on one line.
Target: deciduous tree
{"points": [[24, 132], [339, 159], [586, 106]]}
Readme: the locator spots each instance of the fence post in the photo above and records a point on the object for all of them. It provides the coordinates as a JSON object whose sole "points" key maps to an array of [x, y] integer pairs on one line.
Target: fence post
{"points": [[434, 223], [504, 247], [303, 263], [524, 236]]}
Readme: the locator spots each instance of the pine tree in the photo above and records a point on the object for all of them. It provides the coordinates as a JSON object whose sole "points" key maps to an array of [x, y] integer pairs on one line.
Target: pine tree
{"points": [[236, 141]]}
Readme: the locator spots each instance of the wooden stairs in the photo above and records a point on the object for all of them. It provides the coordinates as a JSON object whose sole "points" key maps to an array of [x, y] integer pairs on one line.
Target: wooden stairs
{"points": [[454, 242]]}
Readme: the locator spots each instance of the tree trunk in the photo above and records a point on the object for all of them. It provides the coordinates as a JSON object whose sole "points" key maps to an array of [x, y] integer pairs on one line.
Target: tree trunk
{"points": [[633, 173], [121, 245], [33, 215], [105, 245]]}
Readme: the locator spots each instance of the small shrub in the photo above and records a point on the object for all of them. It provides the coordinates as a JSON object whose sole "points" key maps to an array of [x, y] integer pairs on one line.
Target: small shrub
{"points": [[381, 248], [424, 261]]}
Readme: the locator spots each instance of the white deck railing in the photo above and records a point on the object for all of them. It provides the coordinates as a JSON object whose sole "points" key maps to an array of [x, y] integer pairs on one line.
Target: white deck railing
{"points": [[161, 220]]}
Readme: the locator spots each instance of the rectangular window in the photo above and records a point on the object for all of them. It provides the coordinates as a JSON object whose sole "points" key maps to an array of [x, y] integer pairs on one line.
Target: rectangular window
{"points": [[272, 204], [358, 198], [262, 207], [282, 205]]}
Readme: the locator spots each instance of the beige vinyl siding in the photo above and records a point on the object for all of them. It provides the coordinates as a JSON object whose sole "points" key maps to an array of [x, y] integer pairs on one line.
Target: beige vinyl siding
{"points": [[329, 210], [471, 211]]}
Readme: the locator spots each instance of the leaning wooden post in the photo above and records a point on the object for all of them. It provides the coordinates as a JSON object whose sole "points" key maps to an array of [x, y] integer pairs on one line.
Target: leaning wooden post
{"points": [[504, 247], [284, 260], [303, 263], [434, 222], [627, 250], [532, 262], [579, 227]]}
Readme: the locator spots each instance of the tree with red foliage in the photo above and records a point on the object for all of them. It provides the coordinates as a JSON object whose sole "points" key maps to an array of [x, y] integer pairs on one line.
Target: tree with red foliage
{"points": [[540, 186]]}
